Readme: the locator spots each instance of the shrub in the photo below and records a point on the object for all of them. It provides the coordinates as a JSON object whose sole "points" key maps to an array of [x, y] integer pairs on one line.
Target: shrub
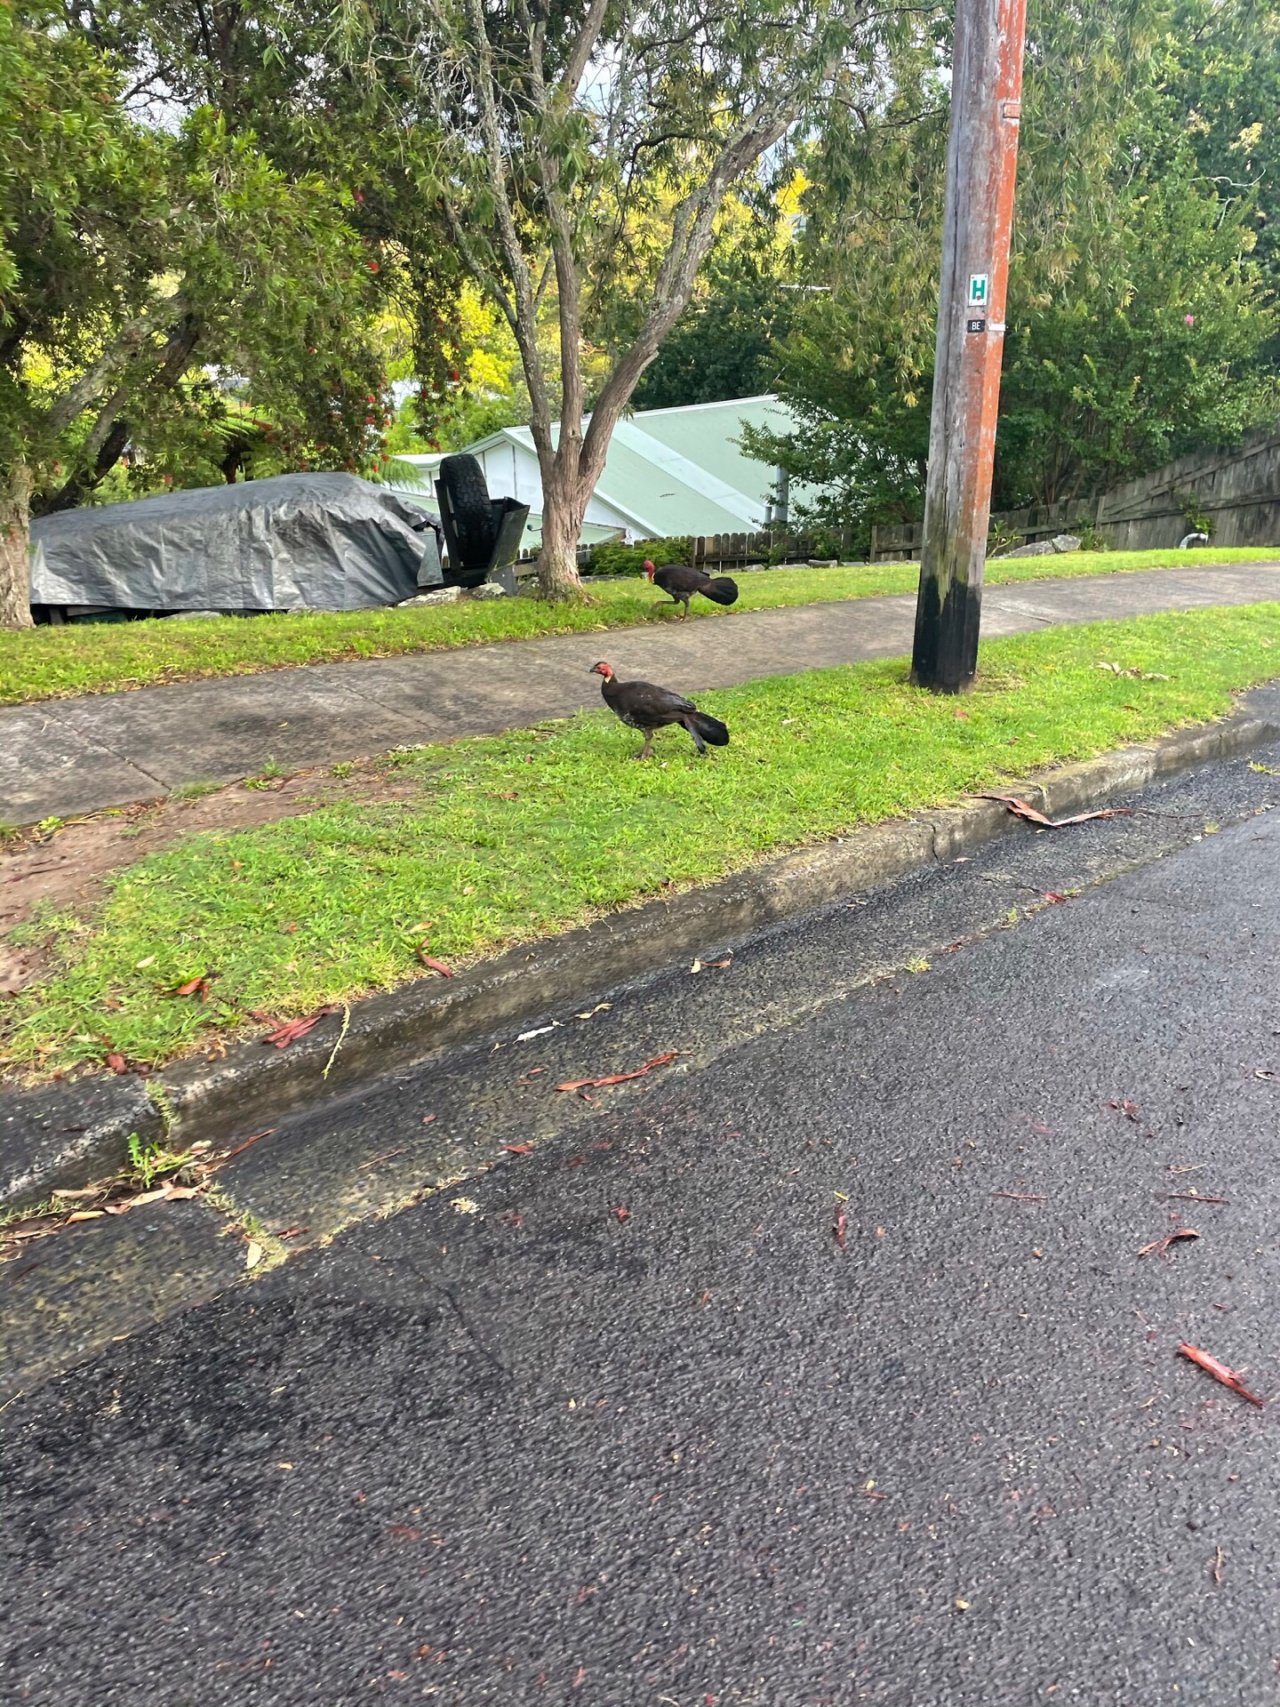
{"points": [[614, 558]]}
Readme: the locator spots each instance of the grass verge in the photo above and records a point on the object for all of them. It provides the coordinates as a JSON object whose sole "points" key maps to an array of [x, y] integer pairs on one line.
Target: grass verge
{"points": [[512, 837], [53, 663]]}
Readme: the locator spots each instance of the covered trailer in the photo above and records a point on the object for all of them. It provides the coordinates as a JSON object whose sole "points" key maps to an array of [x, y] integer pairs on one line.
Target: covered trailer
{"points": [[293, 542]]}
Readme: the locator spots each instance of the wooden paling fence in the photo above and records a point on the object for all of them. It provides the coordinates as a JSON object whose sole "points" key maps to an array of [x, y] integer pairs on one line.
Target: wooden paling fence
{"points": [[734, 550]]}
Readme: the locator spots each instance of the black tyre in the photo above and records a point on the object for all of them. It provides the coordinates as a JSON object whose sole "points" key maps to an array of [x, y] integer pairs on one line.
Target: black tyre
{"points": [[463, 480]]}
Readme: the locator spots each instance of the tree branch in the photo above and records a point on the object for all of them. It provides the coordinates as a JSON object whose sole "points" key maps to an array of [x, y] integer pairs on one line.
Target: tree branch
{"points": [[484, 276], [525, 320], [693, 230], [579, 54]]}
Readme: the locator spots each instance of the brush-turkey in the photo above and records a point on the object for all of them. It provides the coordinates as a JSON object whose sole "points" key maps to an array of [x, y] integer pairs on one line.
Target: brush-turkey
{"points": [[643, 706], [682, 582]]}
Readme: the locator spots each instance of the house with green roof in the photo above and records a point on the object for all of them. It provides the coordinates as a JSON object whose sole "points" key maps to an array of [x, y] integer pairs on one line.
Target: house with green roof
{"points": [[669, 472]]}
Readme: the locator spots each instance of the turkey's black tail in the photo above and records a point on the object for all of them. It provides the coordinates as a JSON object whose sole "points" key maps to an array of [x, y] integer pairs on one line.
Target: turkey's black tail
{"points": [[721, 589], [704, 728]]}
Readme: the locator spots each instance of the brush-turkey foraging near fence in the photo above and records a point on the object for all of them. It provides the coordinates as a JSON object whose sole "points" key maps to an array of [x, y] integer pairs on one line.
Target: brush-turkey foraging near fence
{"points": [[643, 706], [682, 582]]}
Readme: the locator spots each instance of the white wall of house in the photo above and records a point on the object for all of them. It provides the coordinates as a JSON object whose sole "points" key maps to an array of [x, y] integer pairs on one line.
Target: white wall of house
{"points": [[511, 471]]}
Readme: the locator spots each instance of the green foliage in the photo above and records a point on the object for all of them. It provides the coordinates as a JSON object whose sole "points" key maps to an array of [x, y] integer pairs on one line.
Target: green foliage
{"points": [[1140, 320], [725, 346], [1198, 519], [813, 756], [150, 1160], [196, 260], [611, 557], [1001, 539]]}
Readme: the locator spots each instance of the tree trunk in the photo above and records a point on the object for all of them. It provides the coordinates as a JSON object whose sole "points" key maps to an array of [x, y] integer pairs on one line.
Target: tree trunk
{"points": [[15, 570], [563, 507]]}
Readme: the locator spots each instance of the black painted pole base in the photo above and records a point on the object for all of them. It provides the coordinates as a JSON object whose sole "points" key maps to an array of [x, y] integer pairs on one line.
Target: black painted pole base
{"points": [[944, 658]]}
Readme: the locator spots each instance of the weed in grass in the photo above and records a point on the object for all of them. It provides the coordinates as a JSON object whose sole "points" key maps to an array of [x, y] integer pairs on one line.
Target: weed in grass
{"points": [[345, 769], [503, 839], [193, 790], [268, 777], [400, 756]]}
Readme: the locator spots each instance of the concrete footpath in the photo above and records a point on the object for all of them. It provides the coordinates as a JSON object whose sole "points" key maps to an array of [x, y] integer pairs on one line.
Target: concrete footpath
{"points": [[66, 757]]}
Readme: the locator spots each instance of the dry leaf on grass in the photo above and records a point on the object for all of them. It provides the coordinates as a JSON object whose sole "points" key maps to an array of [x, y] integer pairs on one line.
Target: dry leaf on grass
{"points": [[429, 960], [288, 1031]]}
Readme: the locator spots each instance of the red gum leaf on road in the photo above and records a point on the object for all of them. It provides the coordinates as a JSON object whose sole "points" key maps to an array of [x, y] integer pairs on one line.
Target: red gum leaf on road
{"points": [[1160, 1247], [1125, 1106], [1053, 896], [621, 1213], [1219, 1371], [519, 1149], [1021, 809], [620, 1078], [841, 1226], [265, 1133], [117, 1063], [291, 1029]]}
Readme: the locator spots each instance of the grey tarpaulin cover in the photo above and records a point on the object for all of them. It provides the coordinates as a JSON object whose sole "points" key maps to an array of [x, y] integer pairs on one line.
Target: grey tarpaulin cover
{"points": [[316, 541]]}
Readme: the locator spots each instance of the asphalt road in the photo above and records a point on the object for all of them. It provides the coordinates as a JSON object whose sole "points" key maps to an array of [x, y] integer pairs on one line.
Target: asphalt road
{"points": [[622, 1421]]}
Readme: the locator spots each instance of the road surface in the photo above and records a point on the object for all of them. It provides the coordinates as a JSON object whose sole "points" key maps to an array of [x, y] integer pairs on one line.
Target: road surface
{"points": [[818, 1366]]}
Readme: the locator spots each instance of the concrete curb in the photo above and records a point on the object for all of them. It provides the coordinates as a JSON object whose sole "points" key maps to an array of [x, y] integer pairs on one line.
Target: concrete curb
{"points": [[67, 1134]]}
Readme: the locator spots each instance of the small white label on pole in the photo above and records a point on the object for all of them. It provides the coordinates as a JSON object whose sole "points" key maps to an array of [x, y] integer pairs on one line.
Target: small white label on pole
{"points": [[979, 289]]}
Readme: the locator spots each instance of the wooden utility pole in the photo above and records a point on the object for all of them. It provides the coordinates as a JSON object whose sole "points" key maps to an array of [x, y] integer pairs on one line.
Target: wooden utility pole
{"points": [[982, 158]]}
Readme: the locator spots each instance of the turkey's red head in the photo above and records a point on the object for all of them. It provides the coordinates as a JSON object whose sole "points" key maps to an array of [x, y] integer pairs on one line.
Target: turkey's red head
{"points": [[602, 669], [649, 569]]}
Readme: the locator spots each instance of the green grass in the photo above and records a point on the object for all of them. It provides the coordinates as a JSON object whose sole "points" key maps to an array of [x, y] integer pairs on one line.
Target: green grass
{"points": [[51, 663], [516, 836]]}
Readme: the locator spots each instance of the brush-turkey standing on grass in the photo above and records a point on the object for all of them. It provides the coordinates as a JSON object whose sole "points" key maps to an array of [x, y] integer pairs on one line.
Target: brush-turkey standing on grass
{"points": [[646, 707], [682, 582]]}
